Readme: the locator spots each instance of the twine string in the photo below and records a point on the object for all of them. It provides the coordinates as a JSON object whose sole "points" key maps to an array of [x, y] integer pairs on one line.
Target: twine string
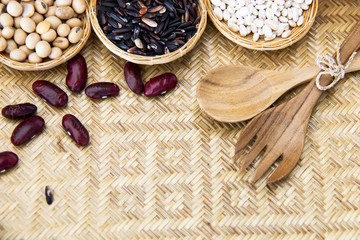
{"points": [[333, 67]]}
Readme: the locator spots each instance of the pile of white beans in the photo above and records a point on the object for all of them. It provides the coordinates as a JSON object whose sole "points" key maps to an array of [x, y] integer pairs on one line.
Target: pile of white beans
{"points": [[41, 29], [262, 18]]}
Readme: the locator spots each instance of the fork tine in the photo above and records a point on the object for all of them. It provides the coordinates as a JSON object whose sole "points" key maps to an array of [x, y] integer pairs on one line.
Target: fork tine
{"points": [[248, 133], [287, 164], [267, 160], [256, 148]]}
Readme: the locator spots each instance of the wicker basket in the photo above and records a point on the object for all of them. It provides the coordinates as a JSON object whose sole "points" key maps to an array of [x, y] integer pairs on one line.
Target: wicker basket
{"points": [[69, 53], [147, 60], [275, 44]]}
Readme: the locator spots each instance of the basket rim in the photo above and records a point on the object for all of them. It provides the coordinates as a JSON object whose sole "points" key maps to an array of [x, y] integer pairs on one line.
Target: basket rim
{"points": [[149, 60], [69, 53], [275, 44]]}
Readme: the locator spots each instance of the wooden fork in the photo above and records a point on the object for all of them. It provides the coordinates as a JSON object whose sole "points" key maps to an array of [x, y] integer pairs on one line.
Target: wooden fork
{"points": [[280, 131]]}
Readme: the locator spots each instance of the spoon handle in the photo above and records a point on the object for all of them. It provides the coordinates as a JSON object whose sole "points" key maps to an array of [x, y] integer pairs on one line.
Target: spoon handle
{"points": [[309, 96], [294, 77]]}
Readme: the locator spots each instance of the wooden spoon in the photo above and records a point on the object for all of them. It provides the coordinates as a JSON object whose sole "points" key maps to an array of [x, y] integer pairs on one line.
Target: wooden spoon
{"points": [[280, 131], [237, 93]]}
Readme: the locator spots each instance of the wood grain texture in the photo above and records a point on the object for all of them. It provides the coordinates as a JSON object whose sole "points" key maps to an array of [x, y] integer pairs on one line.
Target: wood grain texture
{"points": [[237, 93], [280, 131], [160, 168]]}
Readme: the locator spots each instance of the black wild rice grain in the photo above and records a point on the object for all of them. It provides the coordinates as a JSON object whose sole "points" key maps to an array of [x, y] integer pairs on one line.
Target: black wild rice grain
{"points": [[158, 26]]}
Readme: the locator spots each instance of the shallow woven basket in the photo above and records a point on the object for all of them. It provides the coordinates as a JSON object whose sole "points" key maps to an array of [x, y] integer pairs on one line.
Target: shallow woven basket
{"points": [[146, 60], [69, 53], [297, 33]]}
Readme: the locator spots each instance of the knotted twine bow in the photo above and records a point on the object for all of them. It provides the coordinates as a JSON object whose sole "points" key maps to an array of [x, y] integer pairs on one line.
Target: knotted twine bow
{"points": [[333, 67]]}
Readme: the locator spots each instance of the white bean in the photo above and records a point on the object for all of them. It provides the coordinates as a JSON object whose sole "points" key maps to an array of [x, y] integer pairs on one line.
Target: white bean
{"points": [[34, 58], [79, 6], [6, 20], [29, 10], [55, 53], [18, 55], [286, 34], [10, 45], [263, 18], [2, 44], [20, 36], [14, 8]]}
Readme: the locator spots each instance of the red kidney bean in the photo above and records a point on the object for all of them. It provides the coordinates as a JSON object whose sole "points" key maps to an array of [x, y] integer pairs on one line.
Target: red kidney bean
{"points": [[27, 129], [102, 90], [76, 130], [160, 84], [19, 111], [77, 73], [8, 160], [133, 77], [50, 92]]}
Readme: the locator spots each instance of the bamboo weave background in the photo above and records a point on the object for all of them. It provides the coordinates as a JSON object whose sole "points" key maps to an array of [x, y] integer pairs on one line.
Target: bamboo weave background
{"points": [[159, 168]]}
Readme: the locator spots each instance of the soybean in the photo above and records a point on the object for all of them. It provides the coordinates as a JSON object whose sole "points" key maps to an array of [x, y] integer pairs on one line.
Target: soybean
{"points": [[49, 2], [43, 27], [49, 36], [37, 17], [61, 43], [14, 8], [64, 13], [17, 22], [43, 49], [55, 53], [20, 36], [7, 32], [31, 40], [41, 6], [63, 3], [75, 34], [25, 49], [74, 22], [29, 10], [18, 55], [6, 20], [79, 6], [10, 45], [34, 58], [54, 21], [27, 24], [51, 11], [63, 30], [2, 44]]}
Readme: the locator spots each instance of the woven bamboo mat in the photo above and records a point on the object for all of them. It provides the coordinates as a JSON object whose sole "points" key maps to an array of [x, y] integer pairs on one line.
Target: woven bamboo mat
{"points": [[160, 169]]}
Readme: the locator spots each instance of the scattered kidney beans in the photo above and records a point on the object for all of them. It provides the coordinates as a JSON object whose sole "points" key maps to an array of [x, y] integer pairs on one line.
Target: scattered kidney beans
{"points": [[26, 130], [50, 92], [133, 77], [160, 84], [49, 195], [8, 160], [77, 73], [19, 111], [76, 130], [102, 90]]}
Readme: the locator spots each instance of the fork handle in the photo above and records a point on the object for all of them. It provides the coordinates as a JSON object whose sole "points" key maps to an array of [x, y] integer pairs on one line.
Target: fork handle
{"points": [[310, 94]]}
